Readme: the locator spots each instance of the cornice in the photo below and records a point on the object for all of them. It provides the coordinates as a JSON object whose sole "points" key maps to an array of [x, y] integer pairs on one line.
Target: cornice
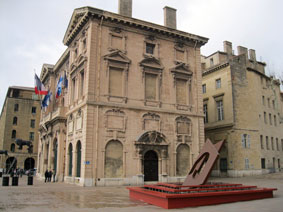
{"points": [[215, 68]]}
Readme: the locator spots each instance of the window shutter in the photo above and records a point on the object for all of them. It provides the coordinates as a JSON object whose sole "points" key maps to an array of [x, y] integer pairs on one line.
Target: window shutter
{"points": [[249, 141]]}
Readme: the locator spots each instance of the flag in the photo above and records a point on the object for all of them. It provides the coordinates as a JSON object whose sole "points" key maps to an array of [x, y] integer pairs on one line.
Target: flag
{"points": [[59, 87], [46, 100], [65, 81], [39, 87]]}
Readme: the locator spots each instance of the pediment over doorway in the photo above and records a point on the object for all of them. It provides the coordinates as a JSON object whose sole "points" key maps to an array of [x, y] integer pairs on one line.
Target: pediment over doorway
{"points": [[152, 137]]}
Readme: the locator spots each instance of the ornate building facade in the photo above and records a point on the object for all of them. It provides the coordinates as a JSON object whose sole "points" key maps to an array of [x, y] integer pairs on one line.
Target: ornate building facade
{"points": [[132, 111], [243, 106], [19, 119]]}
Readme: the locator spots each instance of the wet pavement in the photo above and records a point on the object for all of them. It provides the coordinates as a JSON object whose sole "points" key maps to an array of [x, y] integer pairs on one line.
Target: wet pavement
{"points": [[71, 198]]}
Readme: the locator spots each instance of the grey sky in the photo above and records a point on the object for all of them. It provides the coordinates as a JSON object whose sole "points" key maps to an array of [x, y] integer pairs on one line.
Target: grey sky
{"points": [[32, 30]]}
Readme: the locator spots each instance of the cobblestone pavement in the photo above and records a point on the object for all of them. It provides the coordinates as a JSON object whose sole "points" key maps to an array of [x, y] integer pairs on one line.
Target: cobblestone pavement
{"points": [[71, 198]]}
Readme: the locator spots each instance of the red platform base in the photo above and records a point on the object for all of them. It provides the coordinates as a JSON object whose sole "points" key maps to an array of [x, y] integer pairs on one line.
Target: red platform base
{"points": [[171, 196]]}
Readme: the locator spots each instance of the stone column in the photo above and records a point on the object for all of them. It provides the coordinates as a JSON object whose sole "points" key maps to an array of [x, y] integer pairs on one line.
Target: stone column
{"points": [[60, 157], [49, 154], [163, 166], [124, 164]]}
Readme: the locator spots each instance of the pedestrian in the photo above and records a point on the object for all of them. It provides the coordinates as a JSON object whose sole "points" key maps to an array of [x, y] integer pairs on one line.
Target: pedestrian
{"points": [[50, 175], [46, 174]]}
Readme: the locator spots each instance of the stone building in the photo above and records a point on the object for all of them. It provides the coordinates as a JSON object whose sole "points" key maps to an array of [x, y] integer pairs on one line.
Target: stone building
{"points": [[244, 106], [19, 119], [132, 111]]}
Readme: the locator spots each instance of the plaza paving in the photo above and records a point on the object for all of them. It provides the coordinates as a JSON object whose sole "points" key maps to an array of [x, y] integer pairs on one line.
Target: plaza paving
{"points": [[65, 197]]}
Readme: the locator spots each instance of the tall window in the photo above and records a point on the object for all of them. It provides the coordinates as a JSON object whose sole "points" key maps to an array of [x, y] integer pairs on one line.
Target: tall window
{"points": [[218, 83], [264, 115], [272, 143], [273, 104], [31, 136], [204, 88], [263, 100], [15, 121], [211, 62], [82, 84], [246, 141], [220, 113], [149, 48], [16, 107], [275, 121], [267, 142], [73, 89], [33, 110], [270, 119], [205, 113], [282, 144], [268, 102], [14, 134], [115, 82], [277, 144], [32, 123], [261, 142], [12, 148], [181, 91], [150, 86], [263, 163], [247, 163]]}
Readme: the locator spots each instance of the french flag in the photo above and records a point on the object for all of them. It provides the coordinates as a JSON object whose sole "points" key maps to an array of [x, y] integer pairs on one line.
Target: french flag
{"points": [[39, 87], [59, 87]]}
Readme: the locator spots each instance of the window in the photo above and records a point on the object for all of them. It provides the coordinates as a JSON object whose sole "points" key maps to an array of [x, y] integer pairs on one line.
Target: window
{"points": [[32, 123], [16, 93], [205, 113], [261, 142], [82, 84], [272, 144], [277, 144], [282, 144], [270, 119], [211, 62], [16, 107], [73, 89], [246, 141], [267, 143], [204, 88], [273, 104], [149, 48], [31, 136], [220, 114], [15, 121], [275, 121], [115, 82], [264, 115], [181, 91], [263, 163], [150, 86], [268, 102], [263, 100], [14, 134], [247, 163], [218, 83], [12, 148], [84, 43], [33, 110]]}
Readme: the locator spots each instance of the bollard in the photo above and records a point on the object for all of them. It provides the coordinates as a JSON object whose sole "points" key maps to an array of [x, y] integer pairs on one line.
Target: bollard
{"points": [[15, 181], [5, 181], [30, 180]]}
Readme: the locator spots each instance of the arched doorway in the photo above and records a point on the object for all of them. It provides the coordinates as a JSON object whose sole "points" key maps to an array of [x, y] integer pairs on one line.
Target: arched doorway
{"points": [[70, 155], [11, 164], [79, 159], [29, 164], [150, 166], [55, 148]]}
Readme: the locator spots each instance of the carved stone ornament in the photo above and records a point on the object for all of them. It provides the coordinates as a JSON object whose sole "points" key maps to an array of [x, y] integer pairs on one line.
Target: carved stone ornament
{"points": [[152, 137]]}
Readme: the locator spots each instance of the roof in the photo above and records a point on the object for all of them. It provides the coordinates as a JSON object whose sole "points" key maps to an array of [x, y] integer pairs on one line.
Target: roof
{"points": [[81, 16]]}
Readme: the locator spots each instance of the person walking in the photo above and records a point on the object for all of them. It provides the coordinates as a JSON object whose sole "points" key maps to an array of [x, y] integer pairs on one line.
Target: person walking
{"points": [[46, 175], [50, 176]]}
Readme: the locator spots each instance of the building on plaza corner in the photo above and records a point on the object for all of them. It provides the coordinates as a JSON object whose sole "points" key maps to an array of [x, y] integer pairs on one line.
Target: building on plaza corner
{"points": [[244, 106], [19, 120], [132, 111]]}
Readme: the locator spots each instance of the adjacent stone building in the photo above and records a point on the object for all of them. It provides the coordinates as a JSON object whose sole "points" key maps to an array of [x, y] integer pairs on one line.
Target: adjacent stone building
{"points": [[19, 119], [244, 106], [132, 111]]}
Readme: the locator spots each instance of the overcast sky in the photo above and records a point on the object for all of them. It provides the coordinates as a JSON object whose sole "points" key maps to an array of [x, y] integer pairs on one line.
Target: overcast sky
{"points": [[32, 30]]}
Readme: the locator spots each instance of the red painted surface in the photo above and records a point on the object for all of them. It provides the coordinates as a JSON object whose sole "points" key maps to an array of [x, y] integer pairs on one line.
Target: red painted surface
{"points": [[170, 196]]}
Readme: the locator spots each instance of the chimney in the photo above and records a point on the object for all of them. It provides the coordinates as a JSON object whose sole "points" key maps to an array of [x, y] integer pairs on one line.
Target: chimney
{"points": [[125, 7], [252, 55], [243, 50], [170, 17], [228, 47]]}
